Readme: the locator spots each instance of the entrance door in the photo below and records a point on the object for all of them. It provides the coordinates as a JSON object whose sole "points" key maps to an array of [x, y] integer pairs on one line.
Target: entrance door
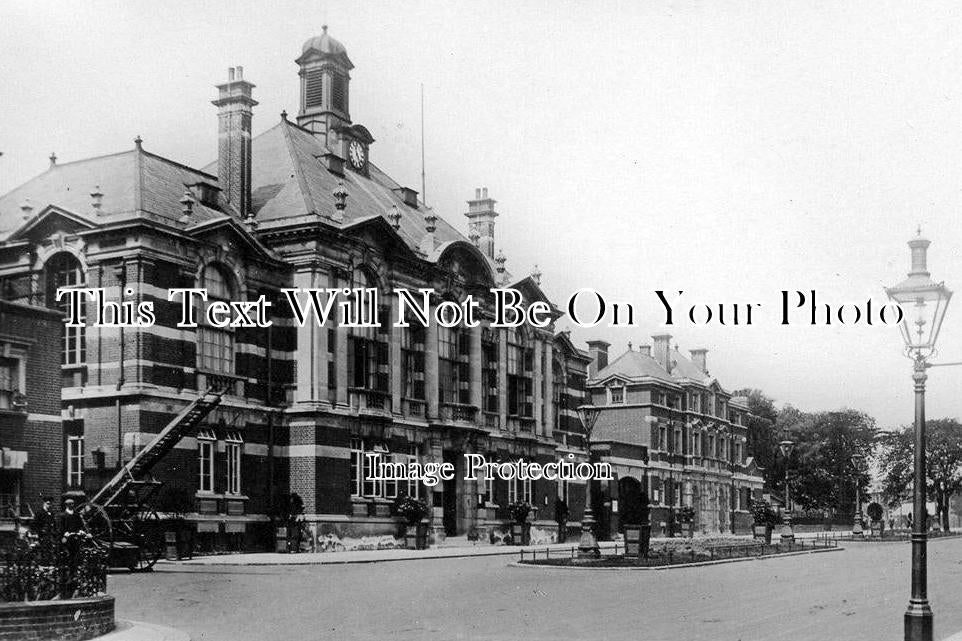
{"points": [[632, 502], [450, 492]]}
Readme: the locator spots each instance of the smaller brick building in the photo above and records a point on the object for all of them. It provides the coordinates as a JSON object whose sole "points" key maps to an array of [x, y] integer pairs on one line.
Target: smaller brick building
{"points": [[31, 432]]}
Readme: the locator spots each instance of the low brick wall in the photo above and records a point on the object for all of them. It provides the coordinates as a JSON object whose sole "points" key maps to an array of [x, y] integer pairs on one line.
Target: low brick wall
{"points": [[72, 620]]}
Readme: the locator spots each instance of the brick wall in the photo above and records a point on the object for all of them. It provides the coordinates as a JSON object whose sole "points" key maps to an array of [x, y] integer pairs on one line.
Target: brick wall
{"points": [[71, 620]]}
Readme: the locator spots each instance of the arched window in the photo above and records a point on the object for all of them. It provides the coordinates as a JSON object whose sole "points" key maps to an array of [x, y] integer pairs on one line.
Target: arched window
{"points": [[215, 345], [63, 270]]}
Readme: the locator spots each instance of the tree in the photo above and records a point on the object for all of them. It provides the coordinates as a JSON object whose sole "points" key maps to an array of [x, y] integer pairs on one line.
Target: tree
{"points": [[943, 464], [824, 475], [762, 437]]}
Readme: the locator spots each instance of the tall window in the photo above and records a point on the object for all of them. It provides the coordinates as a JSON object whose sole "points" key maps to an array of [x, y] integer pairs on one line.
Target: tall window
{"points": [[367, 347], [520, 365], [9, 381], [357, 466], [205, 458], [75, 461], [489, 369], [234, 449], [412, 356], [216, 344], [65, 271], [454, 378]]}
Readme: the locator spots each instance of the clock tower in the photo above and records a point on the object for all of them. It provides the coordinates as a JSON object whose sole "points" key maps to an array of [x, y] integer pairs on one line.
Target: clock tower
{"points": [[325, 100]]}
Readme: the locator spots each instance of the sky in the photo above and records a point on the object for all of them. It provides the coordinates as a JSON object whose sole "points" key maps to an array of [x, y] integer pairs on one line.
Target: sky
{"points": [[731, 150]]}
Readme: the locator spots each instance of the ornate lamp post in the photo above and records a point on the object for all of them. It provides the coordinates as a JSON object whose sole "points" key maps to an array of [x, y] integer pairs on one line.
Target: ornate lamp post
{"points": [[788, 535], [857, 523], [923, 303], [588, 546]]}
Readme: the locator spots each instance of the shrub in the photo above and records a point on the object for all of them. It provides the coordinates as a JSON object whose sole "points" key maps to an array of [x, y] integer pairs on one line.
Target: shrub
{"points": [[875, 511], [519, 511], [410, 509], [764, 514]]}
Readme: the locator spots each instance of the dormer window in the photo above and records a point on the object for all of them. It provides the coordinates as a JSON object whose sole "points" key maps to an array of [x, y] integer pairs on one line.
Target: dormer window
{"points": [[617, 395]]}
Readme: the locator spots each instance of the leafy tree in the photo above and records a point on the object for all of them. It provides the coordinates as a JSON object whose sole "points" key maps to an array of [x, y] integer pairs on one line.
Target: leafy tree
{"points": [[943, 464], [762, 437], [823, 474]]}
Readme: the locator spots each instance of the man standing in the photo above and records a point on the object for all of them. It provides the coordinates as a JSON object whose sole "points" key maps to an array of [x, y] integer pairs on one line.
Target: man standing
{"points": [[44, 524], [561, 518], [70, 521]]}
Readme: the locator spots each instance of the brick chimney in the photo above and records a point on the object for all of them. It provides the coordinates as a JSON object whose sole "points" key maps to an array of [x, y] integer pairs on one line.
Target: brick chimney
{"points": [[234, 112], [481, 217], [599, 356], [698, 358], [661, 349]]}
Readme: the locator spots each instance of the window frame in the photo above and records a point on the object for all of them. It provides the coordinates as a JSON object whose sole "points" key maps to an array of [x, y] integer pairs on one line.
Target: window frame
{"points": [[206, 450], [75, 461]]}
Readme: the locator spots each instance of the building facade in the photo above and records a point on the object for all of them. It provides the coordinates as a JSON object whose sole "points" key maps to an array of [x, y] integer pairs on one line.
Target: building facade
{"points": [[670, 430], [300, 205], [32, 444]]}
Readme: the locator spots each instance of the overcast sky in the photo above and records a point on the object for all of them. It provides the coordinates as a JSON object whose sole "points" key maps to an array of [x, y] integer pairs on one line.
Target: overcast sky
{"points": [[731, 150]]}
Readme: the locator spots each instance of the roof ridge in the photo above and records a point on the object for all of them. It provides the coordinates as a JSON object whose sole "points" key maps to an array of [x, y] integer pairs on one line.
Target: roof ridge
{"points": [[302, 185], [177, 164]]}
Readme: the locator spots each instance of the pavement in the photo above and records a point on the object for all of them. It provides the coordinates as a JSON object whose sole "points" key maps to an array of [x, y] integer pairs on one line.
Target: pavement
{"points": [[139, 631], [859, 593], [454, 547]]}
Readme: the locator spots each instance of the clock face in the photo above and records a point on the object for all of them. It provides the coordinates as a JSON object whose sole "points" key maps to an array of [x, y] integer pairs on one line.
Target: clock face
{"points": [[356, 155]]}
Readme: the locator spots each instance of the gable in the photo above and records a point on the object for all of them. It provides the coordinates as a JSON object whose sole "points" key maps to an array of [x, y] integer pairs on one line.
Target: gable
{"points": [[50, 221]]}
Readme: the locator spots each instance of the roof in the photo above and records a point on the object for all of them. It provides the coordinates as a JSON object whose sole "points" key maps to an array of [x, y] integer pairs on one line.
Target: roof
{"points": [[636, 365], [134, 184], [289, 180], [326, 46]]}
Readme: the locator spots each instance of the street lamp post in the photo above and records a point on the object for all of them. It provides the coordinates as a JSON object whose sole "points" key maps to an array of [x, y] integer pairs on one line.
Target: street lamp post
{"points": [[923, 303], [788, 535], [588, 545], [857, 523]]}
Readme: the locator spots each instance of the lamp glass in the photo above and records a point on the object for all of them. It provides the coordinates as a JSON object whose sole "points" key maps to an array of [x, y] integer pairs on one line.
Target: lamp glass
{"points": [[923, 306]]}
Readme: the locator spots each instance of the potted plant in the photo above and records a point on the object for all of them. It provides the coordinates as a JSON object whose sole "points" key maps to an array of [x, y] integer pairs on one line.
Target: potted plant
{"points": [[765, 519], [875, 512], [520, 528], [413, 512]]}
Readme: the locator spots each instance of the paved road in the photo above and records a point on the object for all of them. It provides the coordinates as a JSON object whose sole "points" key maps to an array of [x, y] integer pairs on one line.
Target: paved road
{"points": [[859, 593]]}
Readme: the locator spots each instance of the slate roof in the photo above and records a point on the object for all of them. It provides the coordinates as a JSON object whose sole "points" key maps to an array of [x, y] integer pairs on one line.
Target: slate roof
{"points": [[289, 180], [634, 365], [134, 183]]}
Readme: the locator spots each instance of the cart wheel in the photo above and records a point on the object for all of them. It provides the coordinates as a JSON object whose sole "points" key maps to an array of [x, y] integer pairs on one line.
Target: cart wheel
{"points": [[98, 525], [148, 534]]}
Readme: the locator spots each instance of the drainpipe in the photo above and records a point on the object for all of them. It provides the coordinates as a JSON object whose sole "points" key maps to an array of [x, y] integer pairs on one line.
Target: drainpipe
{"points": [[121, 273]]}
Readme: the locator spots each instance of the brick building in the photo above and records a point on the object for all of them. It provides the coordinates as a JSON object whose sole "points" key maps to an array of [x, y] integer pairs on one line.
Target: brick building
{"points": [[671, 430], [301, 204], [31, 433]]}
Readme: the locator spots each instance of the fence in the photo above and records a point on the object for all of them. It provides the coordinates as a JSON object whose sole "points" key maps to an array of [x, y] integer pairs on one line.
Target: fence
{"points": [[888, 536], [49, 569], [681, 556]]}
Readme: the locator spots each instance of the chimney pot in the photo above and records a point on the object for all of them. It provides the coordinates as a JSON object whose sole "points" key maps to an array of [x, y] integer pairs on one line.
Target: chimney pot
{"points": [[484, 192], [240, 73], [477, 194], [698, 357], [662, 349], [230, 74]]}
